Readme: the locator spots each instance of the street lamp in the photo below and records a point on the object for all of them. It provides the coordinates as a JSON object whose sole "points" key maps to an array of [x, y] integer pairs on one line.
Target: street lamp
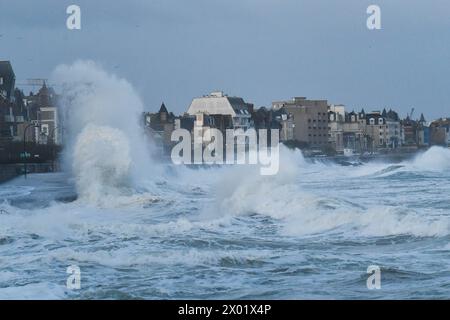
{"points": [[35, 125]]}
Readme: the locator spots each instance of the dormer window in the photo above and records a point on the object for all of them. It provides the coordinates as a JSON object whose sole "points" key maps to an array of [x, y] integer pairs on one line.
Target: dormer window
{"points": [[380, 121], [372, 121]]}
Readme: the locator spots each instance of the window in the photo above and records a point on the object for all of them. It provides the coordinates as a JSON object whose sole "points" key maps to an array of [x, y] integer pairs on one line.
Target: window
{"points": [[380, 121], [372, 121], [44, 129], [1, 81]]}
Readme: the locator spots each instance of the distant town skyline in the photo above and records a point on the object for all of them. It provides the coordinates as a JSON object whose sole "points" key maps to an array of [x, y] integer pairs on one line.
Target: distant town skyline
{"points": [[262, 50]]}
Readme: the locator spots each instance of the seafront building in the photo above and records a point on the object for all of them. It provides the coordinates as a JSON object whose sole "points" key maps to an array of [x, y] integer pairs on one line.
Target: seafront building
{"points": [[18, 112], [336, 120], [313, 125], [346, 130], [393, 129], [224, 111], [30, 125], [310, 120], [42, 108], [355, 137], [279, 119], [160, 124], [439, 132], [11, 113]]}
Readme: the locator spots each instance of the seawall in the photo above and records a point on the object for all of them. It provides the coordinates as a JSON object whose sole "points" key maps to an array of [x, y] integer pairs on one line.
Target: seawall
{"points": [[12, 170]]}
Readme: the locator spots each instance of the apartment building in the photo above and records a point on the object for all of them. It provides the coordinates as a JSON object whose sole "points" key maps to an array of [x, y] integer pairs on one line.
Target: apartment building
{"points": [[310, 120]]}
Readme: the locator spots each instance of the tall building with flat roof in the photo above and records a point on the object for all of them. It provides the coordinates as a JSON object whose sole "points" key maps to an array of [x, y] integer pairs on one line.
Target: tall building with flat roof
{"points": [[310, 119]]}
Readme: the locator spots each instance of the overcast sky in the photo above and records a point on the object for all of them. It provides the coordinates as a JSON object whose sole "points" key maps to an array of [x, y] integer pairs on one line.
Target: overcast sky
{"points": [[262, 50]]}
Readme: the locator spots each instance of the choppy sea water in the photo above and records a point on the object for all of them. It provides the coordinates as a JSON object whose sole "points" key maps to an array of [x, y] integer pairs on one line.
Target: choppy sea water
{"points": [[228, 233]]}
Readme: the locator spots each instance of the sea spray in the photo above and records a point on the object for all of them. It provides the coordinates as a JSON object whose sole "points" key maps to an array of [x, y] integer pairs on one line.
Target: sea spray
{"points": [[105, 144], [290, 199], [101, 161], [434, 159]]}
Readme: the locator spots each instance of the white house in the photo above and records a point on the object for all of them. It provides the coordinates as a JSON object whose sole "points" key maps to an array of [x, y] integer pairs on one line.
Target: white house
{"points": [[227, 112]]}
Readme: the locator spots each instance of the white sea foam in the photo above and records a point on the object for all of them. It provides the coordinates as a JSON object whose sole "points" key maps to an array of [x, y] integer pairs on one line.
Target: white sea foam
{"points": [[105, 147], [34, 291], [434, 159], [101, 161], [302, 211]]}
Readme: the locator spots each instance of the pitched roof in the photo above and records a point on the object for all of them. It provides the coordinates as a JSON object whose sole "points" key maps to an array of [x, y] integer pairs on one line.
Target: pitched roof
{"points": [[219, 104], [392, 115], [422, 118], [163, 108]]}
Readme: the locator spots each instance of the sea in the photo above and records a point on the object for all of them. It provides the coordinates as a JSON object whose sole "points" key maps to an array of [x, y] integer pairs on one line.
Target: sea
{"points": [[309, 232]]}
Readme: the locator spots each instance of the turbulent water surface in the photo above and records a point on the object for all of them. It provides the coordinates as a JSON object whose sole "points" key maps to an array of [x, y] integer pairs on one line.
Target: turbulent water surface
{"points": [[309, 232]]}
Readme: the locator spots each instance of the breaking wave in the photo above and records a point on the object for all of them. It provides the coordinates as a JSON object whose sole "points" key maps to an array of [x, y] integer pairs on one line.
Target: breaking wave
{"points": [[106, 148], [101, 161], [434, 159], [290, 199]]}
